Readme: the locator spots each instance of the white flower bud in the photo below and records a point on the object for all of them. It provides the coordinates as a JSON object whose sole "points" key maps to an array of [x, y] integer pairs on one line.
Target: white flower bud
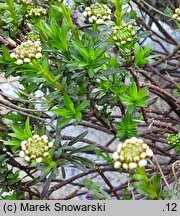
{"points": [[121, 158], [144, 146], [35, 136], [39, 49], [21, 154], [143, 155], [30, 140], [117, 165], [100, 21], [23, 143], [31, 55], [44, 137], [177, 10], [12, 55], [38, 55], [88, 9], [105, 17], [85, 13], [26, 158], [123, 42], [90, 20], [50, 144], [19, 62], [94, 18], [125, 166], [115, 156], [136, 158], [23, 148], [46, 154], [129, 39], [114, 37], [33, 157], [149, 153], [27, 60], [142, 163], [46, 148], [39, 160], [132, 165], [89, 13]]}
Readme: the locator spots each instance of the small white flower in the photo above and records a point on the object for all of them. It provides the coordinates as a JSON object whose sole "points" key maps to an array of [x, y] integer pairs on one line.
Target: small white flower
{"points": [[123, 42], [149, 153], [50, 144], [23, 143], [30, 140], [117, 165], [85, 13], [144, 146], [39, 49], [19, 62], [88, 9], [100, 21], [39, 160], [132, 165], [121, 158], [35, 136], [142, 163], [125, 166], [136, 158], [21, 154], [26, 158], [115, 156], [143, 155], [38, 55], [23, 148], [114, 37], [27, 60], [119, 147], [94, 18], [89, 13], [46, 148], [90, 20], [33, 157], [130, 27], [12, 55], [31, 55], [129, 39], [44, 137], [46, 154]]}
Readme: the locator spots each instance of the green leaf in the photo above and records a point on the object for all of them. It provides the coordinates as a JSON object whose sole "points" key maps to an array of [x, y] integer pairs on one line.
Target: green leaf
{"points": [[68, 103], [78, 138], [82, 106], [63, 112], [83, 149], [80, 48], [28, 128]]}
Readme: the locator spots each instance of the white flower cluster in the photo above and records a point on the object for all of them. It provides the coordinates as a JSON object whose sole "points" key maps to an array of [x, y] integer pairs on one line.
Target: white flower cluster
{"points": [[36, 12], [97, 13], [24, 1], [176, 16], [124, 34], [132, 154], [35, 148], [27, 51]]}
